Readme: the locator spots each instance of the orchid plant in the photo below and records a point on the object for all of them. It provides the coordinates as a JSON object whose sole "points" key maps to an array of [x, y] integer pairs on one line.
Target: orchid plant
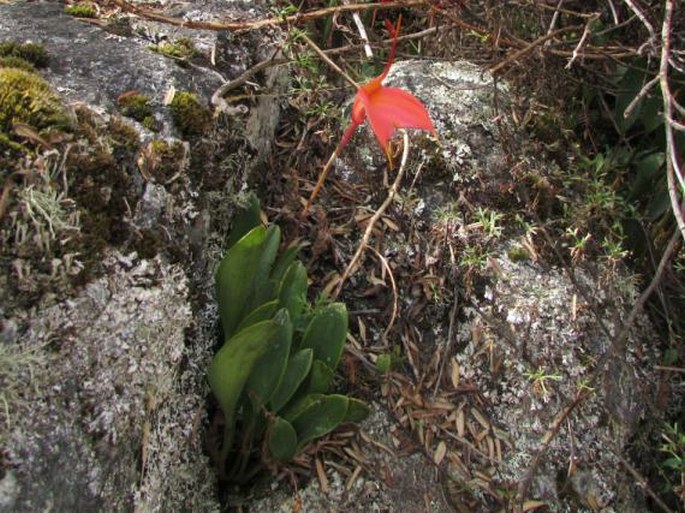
{"points": [[387, 109]]}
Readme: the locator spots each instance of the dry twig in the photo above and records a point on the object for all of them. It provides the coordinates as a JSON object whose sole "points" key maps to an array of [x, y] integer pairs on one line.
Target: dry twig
{"points": [[376, 216], [260, 23]]}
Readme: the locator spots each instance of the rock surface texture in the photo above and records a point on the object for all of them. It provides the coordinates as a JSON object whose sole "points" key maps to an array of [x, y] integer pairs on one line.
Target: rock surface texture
{"points": [[103, 372], [519, 389]]}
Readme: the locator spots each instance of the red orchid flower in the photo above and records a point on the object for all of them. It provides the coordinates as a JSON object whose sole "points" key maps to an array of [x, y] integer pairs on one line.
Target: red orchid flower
{"points": [[388, 108]]}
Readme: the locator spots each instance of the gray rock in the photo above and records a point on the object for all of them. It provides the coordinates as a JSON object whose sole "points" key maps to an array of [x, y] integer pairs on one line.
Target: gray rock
{"points": [[107, 422], [105, 386], [531, 339]]}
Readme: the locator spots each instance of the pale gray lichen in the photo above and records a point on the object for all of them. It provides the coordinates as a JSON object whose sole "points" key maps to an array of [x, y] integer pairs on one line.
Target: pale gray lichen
{"points": [[114, 397], [529, 317]]}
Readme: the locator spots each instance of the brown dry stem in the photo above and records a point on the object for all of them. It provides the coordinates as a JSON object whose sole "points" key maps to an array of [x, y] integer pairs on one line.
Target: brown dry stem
{"points": [[376, 216]]}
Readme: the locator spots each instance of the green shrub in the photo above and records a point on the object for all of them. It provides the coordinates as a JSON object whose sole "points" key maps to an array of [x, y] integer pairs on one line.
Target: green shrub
{"points": [[273, 373]]}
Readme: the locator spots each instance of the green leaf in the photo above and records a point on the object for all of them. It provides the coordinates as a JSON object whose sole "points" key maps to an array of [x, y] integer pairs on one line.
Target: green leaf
{"points": [[259, 314], [283, 263], [261, 293], [295, 373], [235, 278], [282, 440], [320, 378], [630, 85], [269, 369], [293, 290], [320, 417], [326, 333], [231, 367], [245, 220], [356, 410]]}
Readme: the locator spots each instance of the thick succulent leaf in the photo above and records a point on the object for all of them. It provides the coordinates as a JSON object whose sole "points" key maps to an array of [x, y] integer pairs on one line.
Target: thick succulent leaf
{"points": [[235, 278], [296, 408], [282, 440], [320, 417], [261, 293], [269, 369], [295, 373], [231, 368], [293, 290], [356, 410], [245, 220], [320, 378], [326, 333], [264, 312], [283, 263]]}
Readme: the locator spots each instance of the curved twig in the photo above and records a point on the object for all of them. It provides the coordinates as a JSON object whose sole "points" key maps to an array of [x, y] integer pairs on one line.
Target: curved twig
{"points": [[376, 216]]}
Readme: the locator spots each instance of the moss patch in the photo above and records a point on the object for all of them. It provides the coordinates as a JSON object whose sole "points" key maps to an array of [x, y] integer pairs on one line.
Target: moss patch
{"points": [[139, 107], [182, 48], [26, 98], [81, 11], [190, 117], [31, 52], [13, 61]]}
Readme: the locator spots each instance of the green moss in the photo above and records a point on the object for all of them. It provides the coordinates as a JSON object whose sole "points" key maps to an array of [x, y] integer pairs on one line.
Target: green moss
{"points": [[81, 11], [150, 123], [190, 117], [136, 106], [31, 52], [182, 48], [13, 61], [518, 254], [26, 98], [123, 135]]}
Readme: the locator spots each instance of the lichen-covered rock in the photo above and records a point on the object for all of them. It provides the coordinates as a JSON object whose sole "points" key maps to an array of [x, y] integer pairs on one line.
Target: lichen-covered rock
{"points": [[108, 318], [108, 404], [533, 346], [525, 351], [88, 65], [398, 483]]}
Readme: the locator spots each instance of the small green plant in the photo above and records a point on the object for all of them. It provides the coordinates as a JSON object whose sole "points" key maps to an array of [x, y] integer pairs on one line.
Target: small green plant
{"points": [[489, 221], [272, 374], [183, 48], [539, 379], [81, 11], [674, 449]]}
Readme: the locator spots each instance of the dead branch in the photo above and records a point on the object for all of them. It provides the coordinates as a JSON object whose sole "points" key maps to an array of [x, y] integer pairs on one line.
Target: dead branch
{"points": [[673, 170], [259, 23]]}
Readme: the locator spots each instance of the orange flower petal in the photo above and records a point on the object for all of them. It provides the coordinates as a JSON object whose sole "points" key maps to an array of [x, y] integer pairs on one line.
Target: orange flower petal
{"points": [[391, 108]]}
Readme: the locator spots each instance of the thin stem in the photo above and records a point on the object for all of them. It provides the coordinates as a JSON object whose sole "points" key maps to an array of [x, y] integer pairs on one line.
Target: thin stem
{"points": [[376, 216], [328, 60], [257, 24], [319, 183]]}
